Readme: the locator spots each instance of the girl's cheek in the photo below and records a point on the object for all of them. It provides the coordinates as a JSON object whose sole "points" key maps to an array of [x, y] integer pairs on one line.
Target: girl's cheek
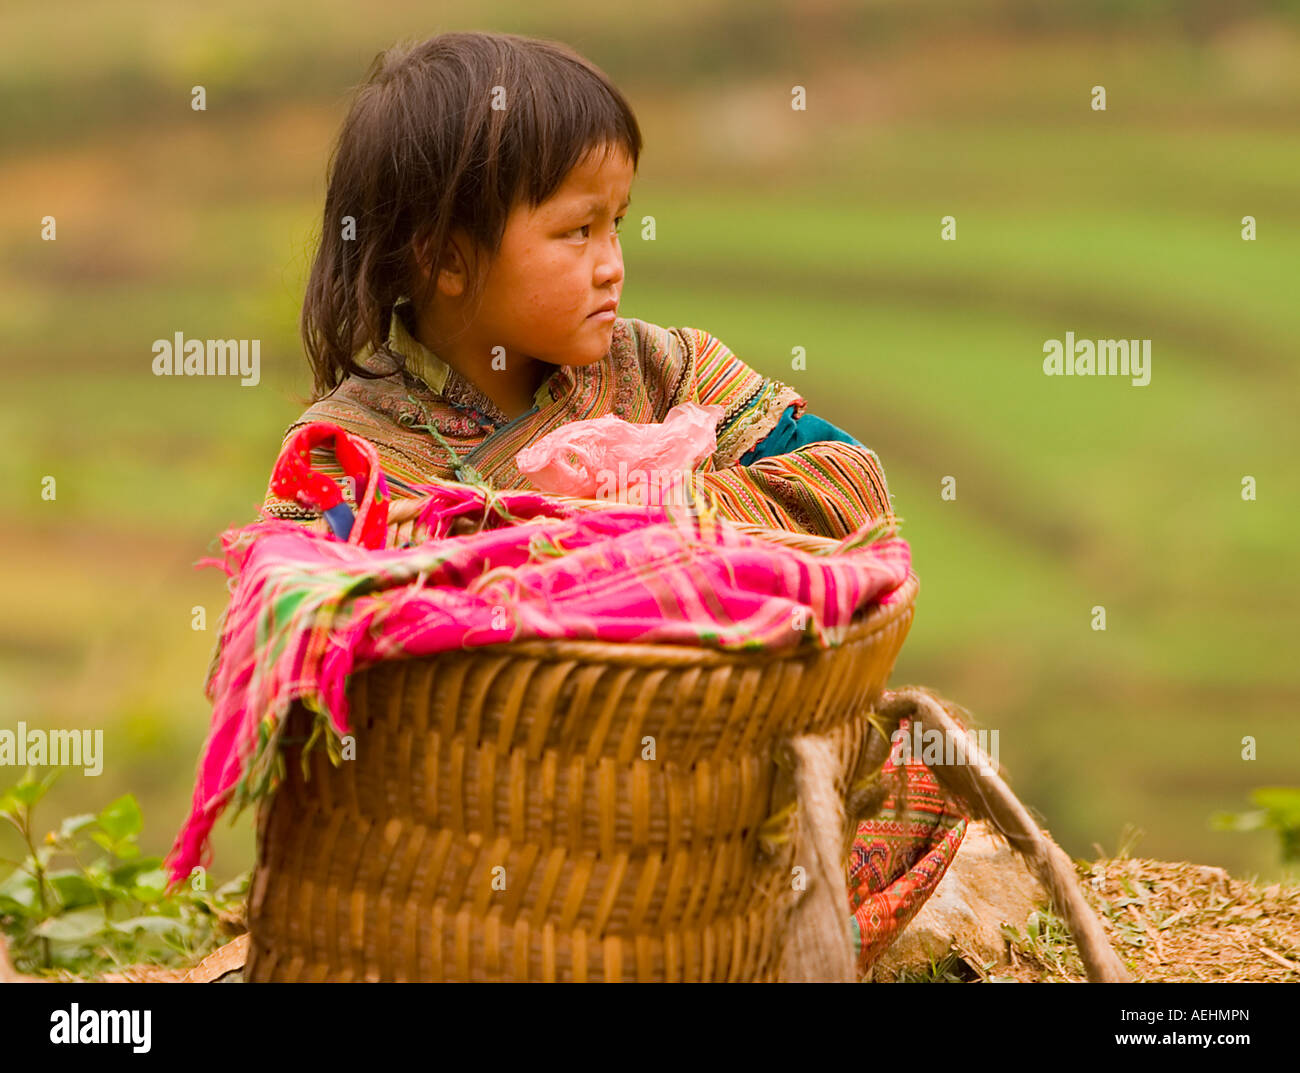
{"points": [[566, 285]]}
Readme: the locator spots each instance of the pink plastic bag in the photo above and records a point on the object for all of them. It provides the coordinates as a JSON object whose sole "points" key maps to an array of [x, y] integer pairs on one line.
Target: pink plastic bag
{"points": [[609, 458]]}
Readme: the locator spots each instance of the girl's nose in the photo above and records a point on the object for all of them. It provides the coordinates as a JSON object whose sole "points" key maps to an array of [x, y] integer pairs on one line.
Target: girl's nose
{"points": [[610, 267]]}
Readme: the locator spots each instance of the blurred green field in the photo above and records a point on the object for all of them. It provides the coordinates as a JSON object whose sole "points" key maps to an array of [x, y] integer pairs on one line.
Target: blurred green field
{"points": [[775, 229]]}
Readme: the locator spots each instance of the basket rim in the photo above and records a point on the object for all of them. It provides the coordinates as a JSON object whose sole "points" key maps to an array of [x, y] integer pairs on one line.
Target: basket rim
{"points": [[664, 654]]}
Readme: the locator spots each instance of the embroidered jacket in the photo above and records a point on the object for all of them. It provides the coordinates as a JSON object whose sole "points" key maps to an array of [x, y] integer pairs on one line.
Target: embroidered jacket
{"points": [[832, 488]]}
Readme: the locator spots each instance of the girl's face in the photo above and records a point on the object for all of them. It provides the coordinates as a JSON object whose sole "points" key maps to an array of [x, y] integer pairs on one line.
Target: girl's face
{"points": [[559, 263]]}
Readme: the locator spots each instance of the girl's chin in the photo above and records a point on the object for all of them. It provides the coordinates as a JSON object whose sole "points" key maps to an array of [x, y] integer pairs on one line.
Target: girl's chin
{"points": [[590, 346], [589, 358]]}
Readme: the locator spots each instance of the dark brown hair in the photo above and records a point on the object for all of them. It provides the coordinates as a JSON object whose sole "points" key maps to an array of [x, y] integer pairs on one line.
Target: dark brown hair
{"points": [[423, 151]]}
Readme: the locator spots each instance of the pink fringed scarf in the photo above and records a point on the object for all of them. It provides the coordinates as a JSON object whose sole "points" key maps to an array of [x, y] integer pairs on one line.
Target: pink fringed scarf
{"points": [[307, 610]]}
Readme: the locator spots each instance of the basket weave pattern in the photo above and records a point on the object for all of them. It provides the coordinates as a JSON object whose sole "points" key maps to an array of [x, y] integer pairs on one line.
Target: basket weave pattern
{"points": [[504, 818]]}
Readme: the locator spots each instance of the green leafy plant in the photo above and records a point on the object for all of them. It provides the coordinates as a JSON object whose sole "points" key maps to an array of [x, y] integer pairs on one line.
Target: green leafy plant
{"points": [[1047, 941], [945, 970], [1277, 809], [86, 901]]}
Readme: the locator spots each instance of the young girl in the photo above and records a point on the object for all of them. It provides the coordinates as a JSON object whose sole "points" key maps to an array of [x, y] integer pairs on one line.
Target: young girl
{"points": [[469, 277], [464, 302]]}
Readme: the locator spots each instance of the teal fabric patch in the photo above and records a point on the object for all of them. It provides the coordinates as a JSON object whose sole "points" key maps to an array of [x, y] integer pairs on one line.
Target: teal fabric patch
{"points": [[791, 433]]}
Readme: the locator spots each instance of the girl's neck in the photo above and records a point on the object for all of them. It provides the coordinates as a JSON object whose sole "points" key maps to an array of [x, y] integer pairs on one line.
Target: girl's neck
{"points": [[512, 389]]}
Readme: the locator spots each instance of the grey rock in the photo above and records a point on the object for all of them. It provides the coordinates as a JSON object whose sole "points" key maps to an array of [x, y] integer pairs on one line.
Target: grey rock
{"points": [[986, 885]]}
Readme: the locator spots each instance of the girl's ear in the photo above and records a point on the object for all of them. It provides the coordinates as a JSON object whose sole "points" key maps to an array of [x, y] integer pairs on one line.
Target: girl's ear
{"points": [[453, 268], [453, 274]]}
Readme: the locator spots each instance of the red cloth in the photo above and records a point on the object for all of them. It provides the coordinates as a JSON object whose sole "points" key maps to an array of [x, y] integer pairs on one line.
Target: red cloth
{"points": [[898, 858], [294, 478]]}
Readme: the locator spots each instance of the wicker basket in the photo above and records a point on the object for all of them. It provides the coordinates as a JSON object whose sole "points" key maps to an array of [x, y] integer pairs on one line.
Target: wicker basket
{"points": [[568, 811]]}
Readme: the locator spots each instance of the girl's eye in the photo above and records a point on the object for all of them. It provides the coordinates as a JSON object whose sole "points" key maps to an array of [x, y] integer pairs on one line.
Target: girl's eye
{"points": [[585, 228]]}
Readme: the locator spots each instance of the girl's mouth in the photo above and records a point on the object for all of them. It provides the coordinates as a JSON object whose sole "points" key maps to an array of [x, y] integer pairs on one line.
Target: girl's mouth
{"points": [[606, 312]]}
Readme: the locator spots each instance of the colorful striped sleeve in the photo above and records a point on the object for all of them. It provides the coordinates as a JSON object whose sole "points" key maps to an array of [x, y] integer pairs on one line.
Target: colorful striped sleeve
{"points": [[828, 488], [752, 403]]}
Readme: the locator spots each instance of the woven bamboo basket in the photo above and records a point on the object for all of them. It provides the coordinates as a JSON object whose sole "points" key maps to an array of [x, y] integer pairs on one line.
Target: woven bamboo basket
{"points": [[563, 811]]}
